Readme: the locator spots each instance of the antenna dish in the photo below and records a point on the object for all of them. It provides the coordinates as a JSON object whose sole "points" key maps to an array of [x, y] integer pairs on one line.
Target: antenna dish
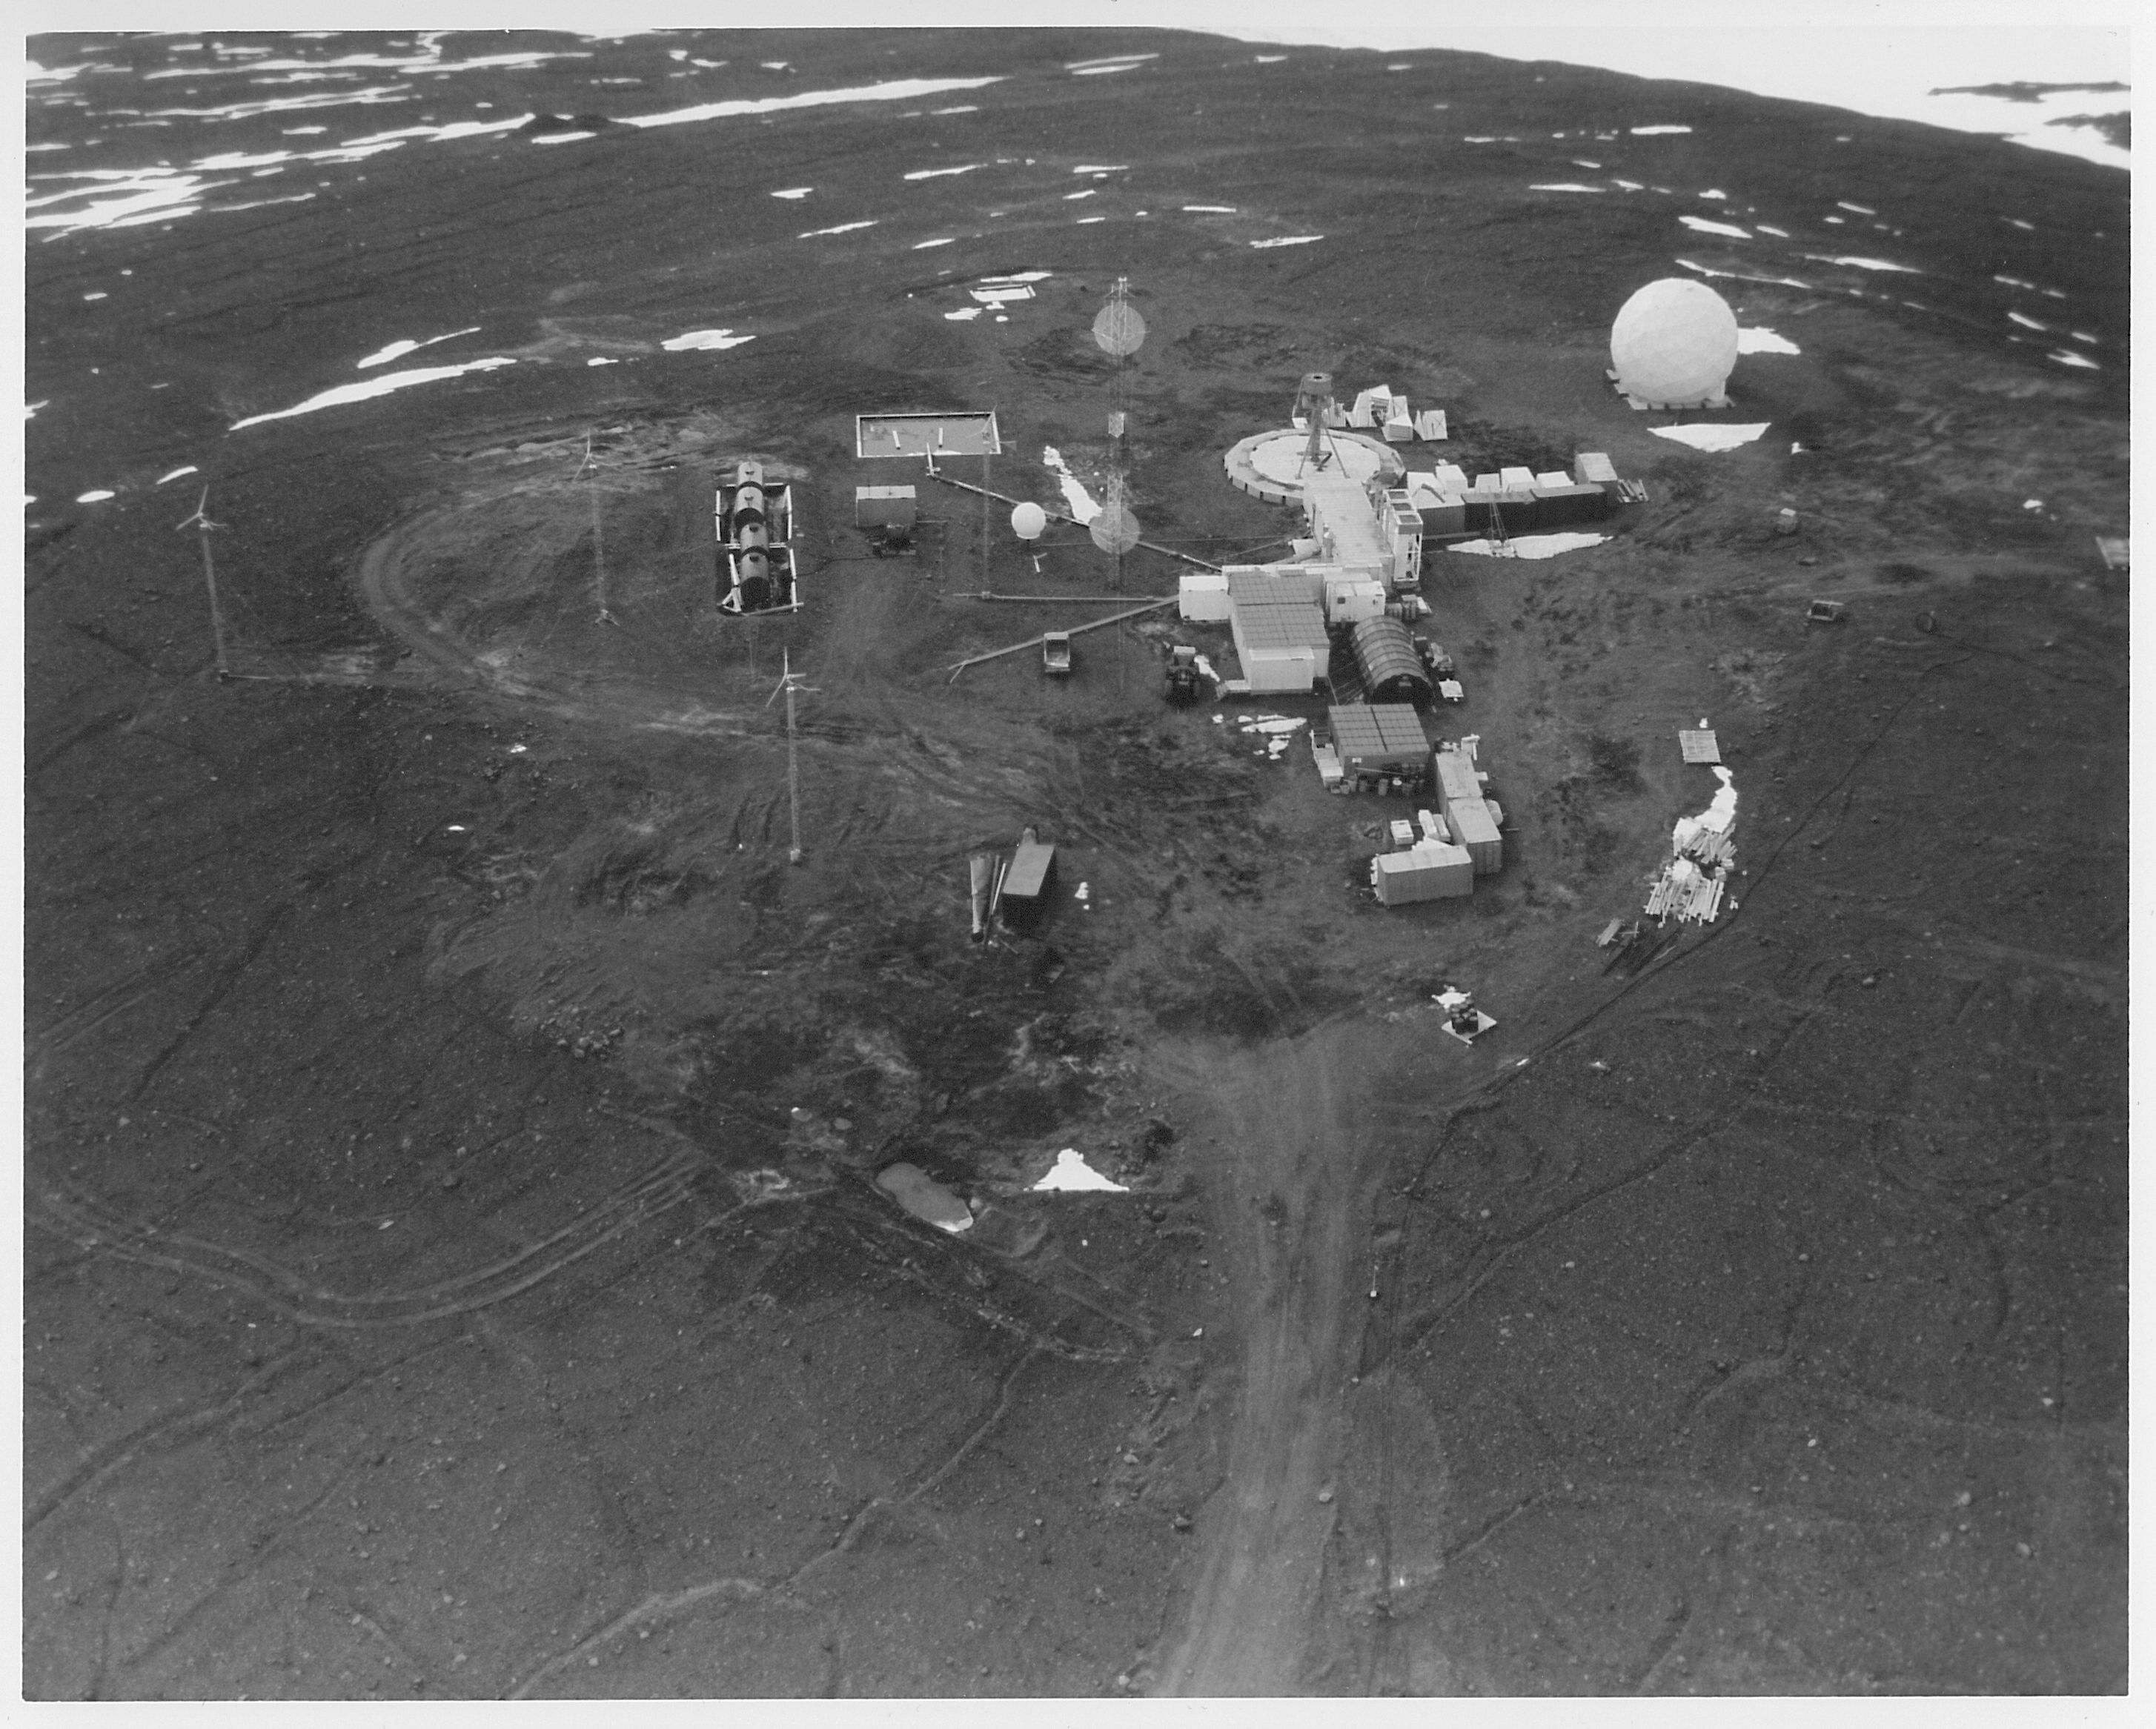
{"points": [[1115, 531], [1028, 521], [1119, 328]]}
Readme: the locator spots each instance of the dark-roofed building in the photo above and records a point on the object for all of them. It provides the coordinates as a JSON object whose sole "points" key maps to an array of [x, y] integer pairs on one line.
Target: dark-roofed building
{"points": [[1385, 657]]}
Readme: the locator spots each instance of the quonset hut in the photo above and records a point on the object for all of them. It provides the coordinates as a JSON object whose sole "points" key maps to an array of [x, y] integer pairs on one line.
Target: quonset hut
{"points": [[1385, 657]]}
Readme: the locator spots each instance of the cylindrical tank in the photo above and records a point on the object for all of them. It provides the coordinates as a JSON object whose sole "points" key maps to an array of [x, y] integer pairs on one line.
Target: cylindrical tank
{"points": [[753, 570], [751, 533], [748, 501]]}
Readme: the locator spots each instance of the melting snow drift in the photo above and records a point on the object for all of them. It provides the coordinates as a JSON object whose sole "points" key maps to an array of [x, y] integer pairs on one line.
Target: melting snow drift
{"points": [[1711, 437], [1072, 1172]]}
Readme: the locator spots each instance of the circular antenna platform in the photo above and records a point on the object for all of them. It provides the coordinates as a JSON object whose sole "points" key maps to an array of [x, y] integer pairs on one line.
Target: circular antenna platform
{"points": [[1115, 530], [1118, 328], [1271, 466]]}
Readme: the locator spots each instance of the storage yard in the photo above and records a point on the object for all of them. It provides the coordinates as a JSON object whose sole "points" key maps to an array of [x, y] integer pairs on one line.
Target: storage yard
{"points": [[877, 1001]]}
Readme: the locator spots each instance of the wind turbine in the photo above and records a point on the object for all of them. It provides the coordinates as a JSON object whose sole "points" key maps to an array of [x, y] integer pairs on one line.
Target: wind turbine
{"points": [[790, 681], [201, 521], [599, 546]]}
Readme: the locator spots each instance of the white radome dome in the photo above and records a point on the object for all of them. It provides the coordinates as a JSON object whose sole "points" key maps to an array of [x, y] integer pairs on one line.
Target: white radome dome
{"points": [[1674, 342], [1028, 521]]}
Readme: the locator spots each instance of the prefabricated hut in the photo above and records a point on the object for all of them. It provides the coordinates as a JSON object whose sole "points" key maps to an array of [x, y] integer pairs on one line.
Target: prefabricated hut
{"points": [[1465, 810]]}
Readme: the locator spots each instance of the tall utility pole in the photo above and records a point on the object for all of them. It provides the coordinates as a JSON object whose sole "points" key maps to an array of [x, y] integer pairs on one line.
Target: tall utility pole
{"points": [[598, 545], [1119, 331], [200, 521], [790, 682]]}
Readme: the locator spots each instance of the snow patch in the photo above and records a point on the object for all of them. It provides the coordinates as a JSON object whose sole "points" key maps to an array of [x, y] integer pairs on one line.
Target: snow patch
{"points": [[1764, 341], [376, 387], [1711, 437], [1530, 546], [1083, 506], [894, 90], [843, 228], [398, 350], [1287, 240], [704, 339], [1865, 264], [1071, 1172], [1701, 225]]}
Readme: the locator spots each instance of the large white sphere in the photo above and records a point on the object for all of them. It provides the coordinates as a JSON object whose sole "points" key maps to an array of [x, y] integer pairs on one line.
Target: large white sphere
{"points": [[1028, 521], [1674, 342]]}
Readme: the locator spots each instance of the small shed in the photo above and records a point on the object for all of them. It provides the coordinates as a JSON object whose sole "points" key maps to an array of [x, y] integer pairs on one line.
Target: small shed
{"points": [[884, 507], [1592, 468], [1031, 870], [1202, 594]]}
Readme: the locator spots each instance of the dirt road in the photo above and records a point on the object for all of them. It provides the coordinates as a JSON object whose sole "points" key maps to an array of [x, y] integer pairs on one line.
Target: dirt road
{"points": [[1290, 1211]]}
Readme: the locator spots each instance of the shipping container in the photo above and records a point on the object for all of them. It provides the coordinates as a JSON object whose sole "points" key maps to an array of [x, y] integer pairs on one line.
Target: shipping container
{"points": [[1461, 803], [1431, 871]]}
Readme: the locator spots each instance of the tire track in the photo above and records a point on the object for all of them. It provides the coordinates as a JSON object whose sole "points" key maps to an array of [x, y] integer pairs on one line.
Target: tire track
{"points": [[92, 1225]]}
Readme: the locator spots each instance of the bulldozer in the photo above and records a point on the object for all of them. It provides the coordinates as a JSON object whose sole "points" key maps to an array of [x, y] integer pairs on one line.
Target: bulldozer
{"points": [[1186, 683]]}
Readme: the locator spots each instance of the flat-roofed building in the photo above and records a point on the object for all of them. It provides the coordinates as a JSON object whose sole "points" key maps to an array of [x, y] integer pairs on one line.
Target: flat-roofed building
{"points": [[1283, 647], [1345, 524], [1378, 738], [1429, 870]]}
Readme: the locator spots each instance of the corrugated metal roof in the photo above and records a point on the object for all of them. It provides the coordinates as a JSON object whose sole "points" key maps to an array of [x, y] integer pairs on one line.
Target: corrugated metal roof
{"points": [[1385, 654], [1377, 731], [1270, 587], [1699, 746], [1297, 624]]}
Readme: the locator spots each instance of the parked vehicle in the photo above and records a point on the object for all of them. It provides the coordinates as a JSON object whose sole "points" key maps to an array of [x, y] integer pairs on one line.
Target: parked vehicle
{"points": [[1055, 653], [1186, 684]]}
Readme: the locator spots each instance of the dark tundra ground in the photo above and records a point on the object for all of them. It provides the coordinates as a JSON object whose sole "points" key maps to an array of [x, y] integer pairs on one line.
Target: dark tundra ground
{"points": [[453, 1267]]}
